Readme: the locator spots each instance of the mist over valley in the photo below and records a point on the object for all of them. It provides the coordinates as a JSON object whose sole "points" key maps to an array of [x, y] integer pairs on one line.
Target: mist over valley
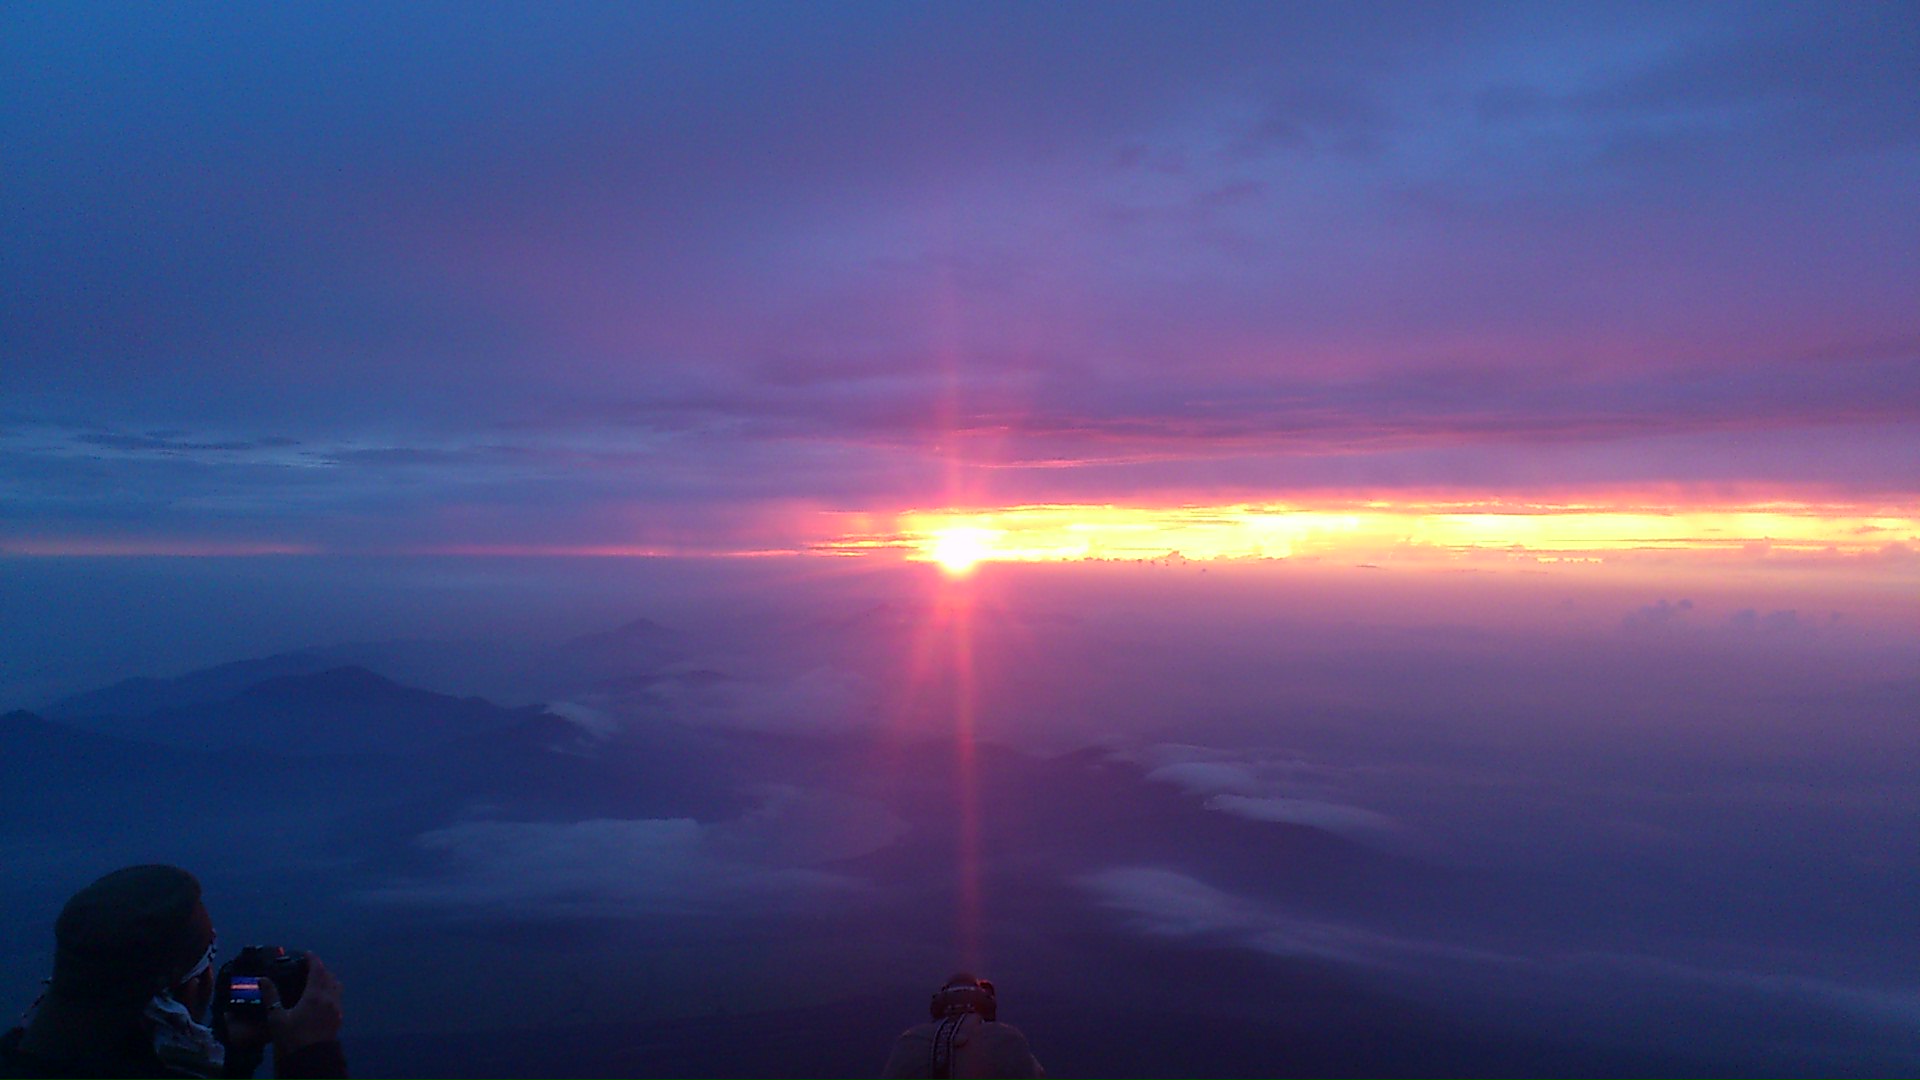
{"points": [[1259, 820]]}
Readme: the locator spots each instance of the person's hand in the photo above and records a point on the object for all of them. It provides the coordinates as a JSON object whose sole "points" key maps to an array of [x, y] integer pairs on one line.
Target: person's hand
{"points": [[315, 1018]]}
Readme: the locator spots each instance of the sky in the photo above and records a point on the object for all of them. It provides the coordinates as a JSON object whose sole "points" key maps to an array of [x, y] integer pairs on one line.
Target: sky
{"points": [[1429, 496], [1066, 281]]}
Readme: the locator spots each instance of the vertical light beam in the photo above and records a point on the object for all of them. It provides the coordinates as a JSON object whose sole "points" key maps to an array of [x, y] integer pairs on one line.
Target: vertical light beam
{"points": [[958, 596]]}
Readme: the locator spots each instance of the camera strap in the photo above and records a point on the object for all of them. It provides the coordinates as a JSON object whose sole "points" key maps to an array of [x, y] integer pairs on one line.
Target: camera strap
{"points": [[943, 1037]]}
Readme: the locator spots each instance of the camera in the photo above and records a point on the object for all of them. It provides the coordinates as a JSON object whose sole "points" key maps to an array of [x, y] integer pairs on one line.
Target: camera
{"points": [[238, 988]]}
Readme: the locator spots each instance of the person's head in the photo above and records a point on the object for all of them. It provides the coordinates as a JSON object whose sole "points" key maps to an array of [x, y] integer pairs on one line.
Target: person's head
{"points": [[132, 978], [132, 934], [963, 992]]}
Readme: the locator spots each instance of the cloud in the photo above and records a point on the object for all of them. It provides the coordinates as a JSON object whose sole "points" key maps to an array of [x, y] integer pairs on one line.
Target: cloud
{"points": [[818, 699], [1883, 1003], [172, 443], [1661, 614], [1168, 903], [1288, 790], [1101, 255], [645, 863], [1782, 623], [595, 723], [1333, 817], [775, 857], [1207, 777]]}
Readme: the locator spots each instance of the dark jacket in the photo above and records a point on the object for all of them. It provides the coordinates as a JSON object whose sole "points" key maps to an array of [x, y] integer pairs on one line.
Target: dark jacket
{"points": [[133, 1057], [980, 1049]]}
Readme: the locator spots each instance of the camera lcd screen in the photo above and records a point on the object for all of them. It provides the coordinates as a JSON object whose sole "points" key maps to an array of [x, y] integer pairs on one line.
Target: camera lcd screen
{"points": [[245, 990]]}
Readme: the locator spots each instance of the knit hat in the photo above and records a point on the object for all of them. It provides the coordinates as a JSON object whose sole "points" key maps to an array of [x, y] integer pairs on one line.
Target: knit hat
{"points": [[130, 935], [964, 992]]}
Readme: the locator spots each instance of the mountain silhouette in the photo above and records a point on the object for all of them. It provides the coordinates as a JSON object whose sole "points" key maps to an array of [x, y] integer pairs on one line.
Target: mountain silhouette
{"points": [[142, 695], [636, 645], [339, 710]]}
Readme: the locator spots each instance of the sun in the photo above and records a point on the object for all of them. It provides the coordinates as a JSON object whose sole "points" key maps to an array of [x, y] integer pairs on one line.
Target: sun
{"points": [[958, 549]]}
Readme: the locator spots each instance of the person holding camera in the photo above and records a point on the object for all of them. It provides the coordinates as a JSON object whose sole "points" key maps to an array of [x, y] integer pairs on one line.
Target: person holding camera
{"points": [[964, 1038], [134, 986]]}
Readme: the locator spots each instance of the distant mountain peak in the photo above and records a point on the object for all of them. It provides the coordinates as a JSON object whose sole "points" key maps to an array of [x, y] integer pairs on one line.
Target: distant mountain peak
{"points": [[635, 631], [346, 679], [634, 647]]}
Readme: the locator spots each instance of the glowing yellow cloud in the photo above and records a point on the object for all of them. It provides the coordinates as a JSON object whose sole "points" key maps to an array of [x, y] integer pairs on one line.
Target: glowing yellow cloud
{"points": [[957, 540]]}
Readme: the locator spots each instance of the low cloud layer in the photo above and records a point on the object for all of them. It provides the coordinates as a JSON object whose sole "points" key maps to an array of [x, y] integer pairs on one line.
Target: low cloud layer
{"points": [[1166, 903], [772, 858], [1169, 903], [1289, 790]]}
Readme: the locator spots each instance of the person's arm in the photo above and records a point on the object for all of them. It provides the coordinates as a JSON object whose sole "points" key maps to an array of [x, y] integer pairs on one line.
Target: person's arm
{"points": [[306, 1038], [311, 1062], [1010, 1054], [909, 1056]]}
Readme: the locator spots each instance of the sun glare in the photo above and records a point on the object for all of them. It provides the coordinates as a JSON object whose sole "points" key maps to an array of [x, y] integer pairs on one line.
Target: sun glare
{"points": [[957, 549]]}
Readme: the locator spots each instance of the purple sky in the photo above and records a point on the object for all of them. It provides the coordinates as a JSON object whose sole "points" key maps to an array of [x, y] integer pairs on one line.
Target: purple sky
{"points": [[372, 277]]}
